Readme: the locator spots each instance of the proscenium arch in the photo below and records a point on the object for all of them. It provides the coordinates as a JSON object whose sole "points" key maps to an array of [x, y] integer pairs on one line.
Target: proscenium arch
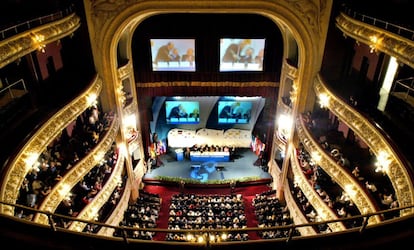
{"points": [[291, 16]]}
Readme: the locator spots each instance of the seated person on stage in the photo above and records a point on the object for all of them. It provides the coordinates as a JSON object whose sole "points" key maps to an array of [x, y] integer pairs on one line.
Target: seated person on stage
{"points": [[229, 111], [178, 112]]}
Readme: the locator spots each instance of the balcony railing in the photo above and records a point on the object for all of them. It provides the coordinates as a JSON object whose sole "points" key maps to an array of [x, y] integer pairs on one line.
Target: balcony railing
{"points": [[30, 24], [393, 28], [52, 218]]}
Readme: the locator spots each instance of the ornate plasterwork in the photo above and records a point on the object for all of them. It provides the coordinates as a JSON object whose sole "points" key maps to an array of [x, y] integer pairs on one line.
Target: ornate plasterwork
{"points": [[340, 175], [296, 213], [311, 11], [377, 142], [118, 213], [19, 167], [389, 43], [289, 70], [76, 173], [325, 212], [92, 209], [26, 42]]}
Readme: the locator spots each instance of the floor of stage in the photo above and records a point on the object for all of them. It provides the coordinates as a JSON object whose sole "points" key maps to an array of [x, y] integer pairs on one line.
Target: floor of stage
{"points": [[240, 166]]}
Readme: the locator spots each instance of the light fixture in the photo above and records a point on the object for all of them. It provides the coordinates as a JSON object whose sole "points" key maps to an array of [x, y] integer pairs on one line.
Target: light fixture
{"points": [[323, 100], [383, 162]]}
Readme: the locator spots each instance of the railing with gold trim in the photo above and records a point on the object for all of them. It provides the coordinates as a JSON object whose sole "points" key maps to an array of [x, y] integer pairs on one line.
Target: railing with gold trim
{"points": [[91, 210], [77, 172], [378, 39], [26, 42], [22, 163], [297, 213], [314, 199], [117, 214], [340, 175], [376, 141]]}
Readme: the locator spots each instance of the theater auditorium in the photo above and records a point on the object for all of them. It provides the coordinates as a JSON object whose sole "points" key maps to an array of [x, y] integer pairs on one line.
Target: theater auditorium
{"points": [[206, 124]]}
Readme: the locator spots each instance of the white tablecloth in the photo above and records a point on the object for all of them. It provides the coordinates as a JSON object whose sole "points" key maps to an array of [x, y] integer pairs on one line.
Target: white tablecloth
{"points": [[187, 138]]}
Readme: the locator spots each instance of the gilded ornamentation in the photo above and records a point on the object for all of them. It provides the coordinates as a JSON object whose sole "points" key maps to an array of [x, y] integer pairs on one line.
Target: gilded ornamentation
{"points": [[296, 213], [325, 212], [397, 173], [19, 167], [91, 210], [76, 173], [342, 177], [391, 44], [311, 11], [24, 43]]}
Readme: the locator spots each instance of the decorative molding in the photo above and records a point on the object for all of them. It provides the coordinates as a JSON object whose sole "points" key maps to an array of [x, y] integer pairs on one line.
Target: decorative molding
{"points": [[311, 11], [92, 209], [296, 213], [397, 172], [340, 175], [118, 214], [290, 71], [20, 167], [13, 48], [76, 173], [314, 199], [389, 43]]}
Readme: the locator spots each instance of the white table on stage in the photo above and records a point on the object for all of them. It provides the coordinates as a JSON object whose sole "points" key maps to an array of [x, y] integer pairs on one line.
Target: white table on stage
{"points": [[182, 138]]}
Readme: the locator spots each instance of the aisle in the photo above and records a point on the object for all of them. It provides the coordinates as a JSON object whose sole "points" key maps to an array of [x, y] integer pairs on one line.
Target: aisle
{"points": [[166, 192]]}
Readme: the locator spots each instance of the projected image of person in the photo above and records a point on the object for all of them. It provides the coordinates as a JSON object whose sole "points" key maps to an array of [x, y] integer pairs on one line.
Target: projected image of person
{"points": [[231, 111], [259, 58], [234, 50], [175, 55], [178, 112], [247, 56], [164, 53], [195, 114], [189, 56]]}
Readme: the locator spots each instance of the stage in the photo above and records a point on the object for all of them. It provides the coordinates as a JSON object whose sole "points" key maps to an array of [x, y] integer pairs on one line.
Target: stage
{"points": [[241, 166]]}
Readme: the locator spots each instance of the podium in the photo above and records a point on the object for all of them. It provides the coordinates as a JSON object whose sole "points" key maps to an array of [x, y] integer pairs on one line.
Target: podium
{"points": [[180, 154]]}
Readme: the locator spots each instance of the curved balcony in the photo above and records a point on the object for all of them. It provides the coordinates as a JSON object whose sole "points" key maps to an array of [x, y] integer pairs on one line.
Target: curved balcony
{"points": [[77, 172], [315, 200], [24, 160], [341, 176], [26, 42], [378, 39], [91, 210], [394, 167]]}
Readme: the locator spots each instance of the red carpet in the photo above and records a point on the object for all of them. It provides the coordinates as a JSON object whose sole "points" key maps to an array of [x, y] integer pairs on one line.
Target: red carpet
{"points": [[165, 192]]}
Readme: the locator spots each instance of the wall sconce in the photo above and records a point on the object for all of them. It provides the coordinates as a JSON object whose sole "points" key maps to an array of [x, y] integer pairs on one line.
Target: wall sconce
{"points": [[383, 162], [31, 159], [91, 99], [285, 123], [38, 41], [323, 100], [375, 41]]}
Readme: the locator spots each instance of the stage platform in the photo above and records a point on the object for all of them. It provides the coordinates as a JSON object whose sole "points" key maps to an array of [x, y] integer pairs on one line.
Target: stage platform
{"points": [[240, 166]]}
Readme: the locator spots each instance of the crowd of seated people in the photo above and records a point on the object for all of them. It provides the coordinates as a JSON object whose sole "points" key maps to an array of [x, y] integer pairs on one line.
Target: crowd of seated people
{"points": [[88, 187], [143, 214], [209, 148], [191, 211], [362, 165], [307, 209], [59, 157], [331, 193], [270, 212]]}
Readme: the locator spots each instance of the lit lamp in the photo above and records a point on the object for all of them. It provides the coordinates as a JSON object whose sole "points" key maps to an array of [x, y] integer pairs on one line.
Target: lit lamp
{"points": [[323, 100], [383, 162]]}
